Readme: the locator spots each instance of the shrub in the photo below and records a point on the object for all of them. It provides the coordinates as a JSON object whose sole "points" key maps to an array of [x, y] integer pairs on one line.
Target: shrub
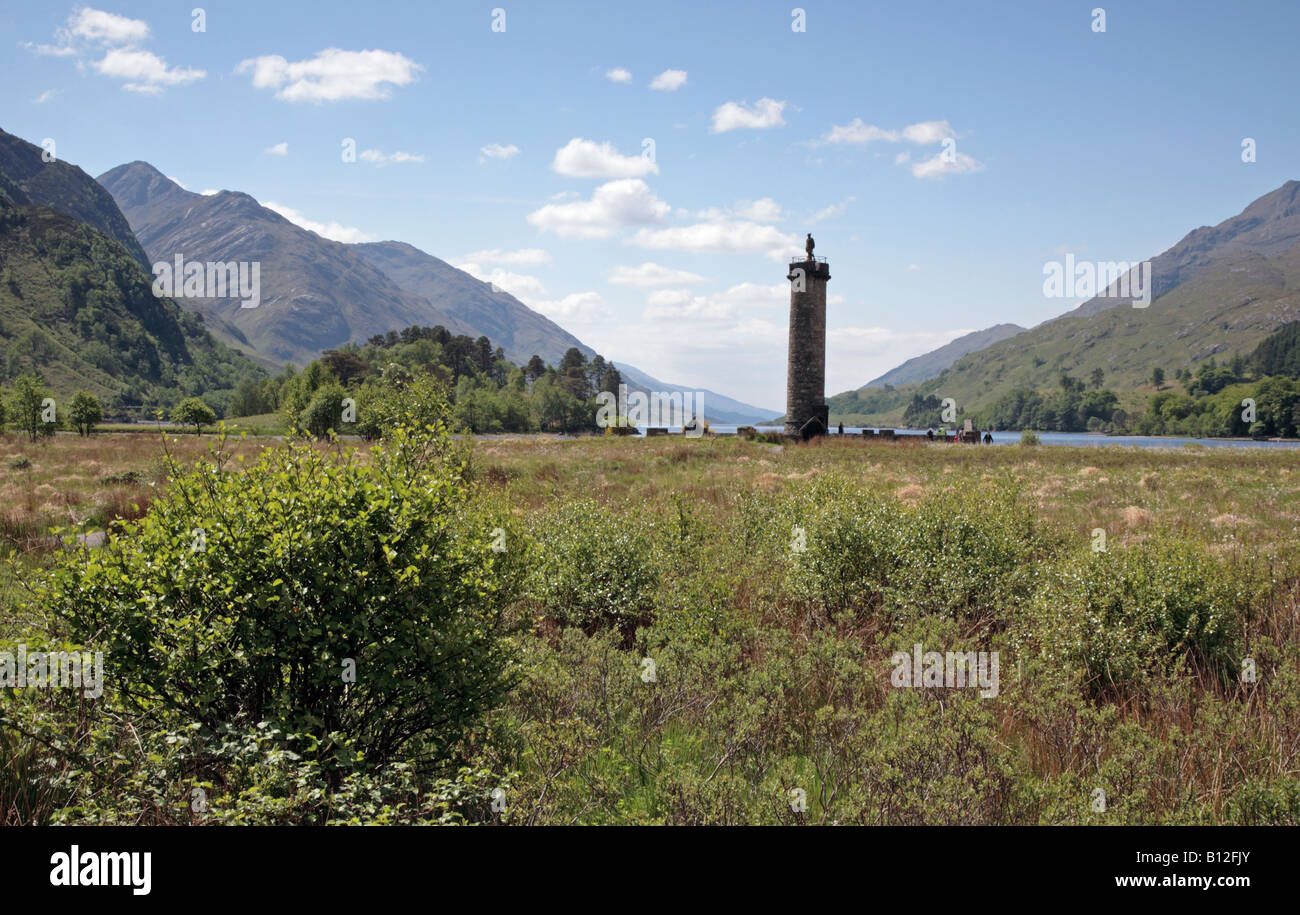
{"points": [[1123, 614], [1030, 438], [962, 553], [354, 604], [594, 569]]}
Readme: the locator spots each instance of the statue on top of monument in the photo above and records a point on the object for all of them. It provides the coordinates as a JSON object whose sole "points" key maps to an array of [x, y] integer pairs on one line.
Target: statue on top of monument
{"points": [[808, 246]]}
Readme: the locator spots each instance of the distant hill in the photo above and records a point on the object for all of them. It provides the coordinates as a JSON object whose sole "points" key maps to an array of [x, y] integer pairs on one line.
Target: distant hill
{"points": [[718, 408], [1219, 291], [928, 365], [491, 312], [66, 188]]}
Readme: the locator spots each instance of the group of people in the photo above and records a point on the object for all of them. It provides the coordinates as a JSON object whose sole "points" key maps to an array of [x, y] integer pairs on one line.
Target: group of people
{"points": [[956, 437]]}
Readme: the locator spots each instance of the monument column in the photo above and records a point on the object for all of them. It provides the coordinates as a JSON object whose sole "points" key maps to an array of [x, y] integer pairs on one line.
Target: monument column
{"points": [[806, 412]]}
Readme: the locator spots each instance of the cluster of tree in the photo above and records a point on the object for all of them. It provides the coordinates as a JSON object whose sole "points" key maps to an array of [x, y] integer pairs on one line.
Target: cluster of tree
{"points": [[346, 389], [1258, 395], [1074, 407], [1267, 407], [31, 410]]}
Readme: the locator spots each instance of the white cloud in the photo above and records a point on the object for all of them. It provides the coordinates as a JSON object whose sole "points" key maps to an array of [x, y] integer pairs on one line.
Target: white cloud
{"points": [[380, 158], [927, 133], [497, 151], [835, 209], [902, 157], [913, 267], [279, 149], [721, 236], [580, 306], [209, 192], [177, 182], [618, 75], [669, 80], [45, 96], [613, 205], [144, 71], [141, 71], [106, 28], [332, 75], [519, 285], [762, 114], [581, 158], [942, 164], [738, 302], [764, 210], [522, 257], [650, 275], [331, 230], [856, 133]]}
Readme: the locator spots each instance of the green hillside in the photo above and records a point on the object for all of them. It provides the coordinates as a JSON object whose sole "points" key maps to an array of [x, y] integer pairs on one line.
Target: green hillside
{"points": [[78, 309]]}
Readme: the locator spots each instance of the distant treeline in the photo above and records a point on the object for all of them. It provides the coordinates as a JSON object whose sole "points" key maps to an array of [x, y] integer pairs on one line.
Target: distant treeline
{"points": [[488, 392], [1257, 395]]}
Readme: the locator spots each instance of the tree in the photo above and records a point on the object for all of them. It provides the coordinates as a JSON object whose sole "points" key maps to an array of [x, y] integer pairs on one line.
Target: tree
{"points": [[1098, 377], [29, 405], [535, 369], [324, 414], [193, 412], [84, 412], [1157, 376]]}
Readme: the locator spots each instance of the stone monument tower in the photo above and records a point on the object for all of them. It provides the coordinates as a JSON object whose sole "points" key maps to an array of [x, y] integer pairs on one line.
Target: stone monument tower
{"points": [[806, 412]]}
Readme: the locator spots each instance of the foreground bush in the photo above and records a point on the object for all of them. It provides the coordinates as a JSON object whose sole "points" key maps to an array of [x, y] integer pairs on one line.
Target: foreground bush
{"points": [[354, 605]]}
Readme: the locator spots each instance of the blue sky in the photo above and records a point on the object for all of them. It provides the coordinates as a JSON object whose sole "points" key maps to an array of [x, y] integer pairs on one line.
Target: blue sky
{"points": [[524, 155]]}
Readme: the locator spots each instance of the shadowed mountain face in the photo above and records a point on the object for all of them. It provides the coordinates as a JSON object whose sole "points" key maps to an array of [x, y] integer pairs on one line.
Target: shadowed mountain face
{"points": [[506, 321], [78, 309], [315, 293], [63, 187]]}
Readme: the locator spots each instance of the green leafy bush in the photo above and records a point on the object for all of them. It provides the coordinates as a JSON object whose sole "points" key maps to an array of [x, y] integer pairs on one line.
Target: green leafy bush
{"points": [[1123, 614], [594, 568], [356, 604]]}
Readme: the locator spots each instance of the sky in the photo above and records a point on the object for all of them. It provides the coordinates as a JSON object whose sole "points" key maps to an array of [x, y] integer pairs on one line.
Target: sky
{"points": [[641, 173]]}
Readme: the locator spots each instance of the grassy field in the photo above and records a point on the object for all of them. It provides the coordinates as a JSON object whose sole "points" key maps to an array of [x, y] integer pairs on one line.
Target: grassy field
{"points": [[708, 628]]}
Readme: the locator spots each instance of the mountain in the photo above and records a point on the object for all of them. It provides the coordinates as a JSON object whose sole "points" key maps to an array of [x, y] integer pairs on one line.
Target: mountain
{"points": [[29, 180], [77, 308], [928, 365], [316, 294], [1269, 227], [491, 312], [718, 408], [1220, 290]]}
